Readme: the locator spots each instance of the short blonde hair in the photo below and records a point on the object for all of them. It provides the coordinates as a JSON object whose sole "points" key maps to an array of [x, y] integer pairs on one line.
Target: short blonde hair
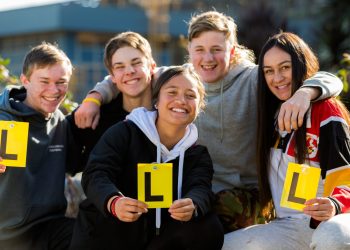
{"points": [[216, 21]]}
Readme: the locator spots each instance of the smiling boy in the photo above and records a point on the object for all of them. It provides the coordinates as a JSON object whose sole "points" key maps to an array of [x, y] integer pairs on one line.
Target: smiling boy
{"points": [[33, 202]]}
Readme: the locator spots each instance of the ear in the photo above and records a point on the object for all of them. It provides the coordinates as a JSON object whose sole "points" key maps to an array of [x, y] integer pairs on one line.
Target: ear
{"points": [[153, 68], [232, 52], [24, 80]]}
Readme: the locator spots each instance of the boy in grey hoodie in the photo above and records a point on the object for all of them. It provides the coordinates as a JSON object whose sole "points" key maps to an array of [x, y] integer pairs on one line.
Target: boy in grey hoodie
{"points": [[228, 125]]}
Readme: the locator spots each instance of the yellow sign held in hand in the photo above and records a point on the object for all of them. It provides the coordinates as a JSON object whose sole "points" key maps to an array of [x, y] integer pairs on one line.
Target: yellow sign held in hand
{"points": [[155, 184], [300, 185], [13, 143]]}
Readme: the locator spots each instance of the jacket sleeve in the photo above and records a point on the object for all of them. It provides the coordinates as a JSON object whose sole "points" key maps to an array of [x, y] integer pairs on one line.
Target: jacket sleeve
{"points": [[198, 181], [334, 151], [75, 149], [104, 165], [329, 84], [106, 89]]}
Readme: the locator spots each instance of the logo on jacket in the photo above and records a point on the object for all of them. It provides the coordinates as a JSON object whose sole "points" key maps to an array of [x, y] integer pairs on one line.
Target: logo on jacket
{"points": [[311, 145], [56, 148]]}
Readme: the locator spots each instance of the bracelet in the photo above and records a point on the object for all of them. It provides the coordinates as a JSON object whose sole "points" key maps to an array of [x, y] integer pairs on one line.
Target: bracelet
{"points": [[91, 99], [112, 206]]}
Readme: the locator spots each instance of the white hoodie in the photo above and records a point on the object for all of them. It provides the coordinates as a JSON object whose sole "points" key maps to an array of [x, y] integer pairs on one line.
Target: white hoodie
{"points": [[146, 122]]}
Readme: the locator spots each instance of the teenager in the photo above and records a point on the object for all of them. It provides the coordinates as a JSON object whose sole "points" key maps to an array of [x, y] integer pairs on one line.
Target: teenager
{"points": [[322, 142], [115, 218], [32, 198], [128, 59]]}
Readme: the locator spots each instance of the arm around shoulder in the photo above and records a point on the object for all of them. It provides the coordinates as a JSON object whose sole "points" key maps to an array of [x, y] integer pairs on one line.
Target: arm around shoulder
{"points": [[326, 84]]}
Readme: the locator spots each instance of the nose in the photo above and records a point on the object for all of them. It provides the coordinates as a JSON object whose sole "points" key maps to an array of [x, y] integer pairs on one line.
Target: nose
{"points": [[208, 56], [53, 87], [277, 77], [181, 98], [129, 69]]}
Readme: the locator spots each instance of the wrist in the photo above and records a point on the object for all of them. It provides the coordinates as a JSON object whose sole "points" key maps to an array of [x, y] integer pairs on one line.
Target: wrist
{"points": [[312, 93], [93, 100], [336, 205], [113, 204]]}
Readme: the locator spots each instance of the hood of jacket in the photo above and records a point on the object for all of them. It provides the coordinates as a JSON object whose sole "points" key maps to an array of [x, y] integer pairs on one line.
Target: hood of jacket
{"points": [[146, 120], [217, 88], [11, 104]]}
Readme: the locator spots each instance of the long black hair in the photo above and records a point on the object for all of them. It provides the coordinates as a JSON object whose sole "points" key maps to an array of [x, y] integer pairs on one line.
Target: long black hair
{"points": [[304, 65]]}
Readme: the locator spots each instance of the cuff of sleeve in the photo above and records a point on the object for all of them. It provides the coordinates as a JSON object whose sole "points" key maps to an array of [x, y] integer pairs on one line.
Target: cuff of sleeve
{"points": [[336, 204]]}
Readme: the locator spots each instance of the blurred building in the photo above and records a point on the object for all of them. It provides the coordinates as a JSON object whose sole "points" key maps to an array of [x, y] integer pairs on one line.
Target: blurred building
{"points": [[82, 27]]}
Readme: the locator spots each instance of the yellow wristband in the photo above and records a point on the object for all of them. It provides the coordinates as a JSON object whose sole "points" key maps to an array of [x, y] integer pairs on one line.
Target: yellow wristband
{"points": [[91, 99]]}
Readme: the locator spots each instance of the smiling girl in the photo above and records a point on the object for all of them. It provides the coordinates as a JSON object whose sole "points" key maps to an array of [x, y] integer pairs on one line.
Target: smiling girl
{"points": [[166, 134], [323, 142]]}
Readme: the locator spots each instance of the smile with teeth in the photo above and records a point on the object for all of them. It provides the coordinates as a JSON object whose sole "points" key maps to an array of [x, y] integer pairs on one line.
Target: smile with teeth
{"points": [[51, 99], [132, 81], [208, 67], [282, 86], [179, 110]]}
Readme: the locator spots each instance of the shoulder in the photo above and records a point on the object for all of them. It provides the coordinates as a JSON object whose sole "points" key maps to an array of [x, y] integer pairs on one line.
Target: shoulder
{"points": [[326, 111]]}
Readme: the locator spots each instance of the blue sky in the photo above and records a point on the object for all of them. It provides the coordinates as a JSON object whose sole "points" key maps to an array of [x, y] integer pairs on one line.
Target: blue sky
{"points": [[15, 4]]}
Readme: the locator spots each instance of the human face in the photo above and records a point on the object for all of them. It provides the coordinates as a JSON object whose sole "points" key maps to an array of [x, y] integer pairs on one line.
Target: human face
{"points": [[46, 87], [178, 103], [131, 71], [211, 53], [277, 70]]}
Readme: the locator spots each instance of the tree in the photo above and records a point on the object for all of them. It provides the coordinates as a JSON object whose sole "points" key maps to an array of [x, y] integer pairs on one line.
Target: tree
{"points": [[344, 75], [258, 23], [335, 32]]}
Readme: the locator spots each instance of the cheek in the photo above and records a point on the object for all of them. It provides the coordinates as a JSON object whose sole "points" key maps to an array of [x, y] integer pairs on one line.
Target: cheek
{"points": [[194, 58]]}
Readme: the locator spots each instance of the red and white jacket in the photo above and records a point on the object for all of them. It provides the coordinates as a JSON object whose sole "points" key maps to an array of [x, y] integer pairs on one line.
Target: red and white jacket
{"points": [[328, 145]]}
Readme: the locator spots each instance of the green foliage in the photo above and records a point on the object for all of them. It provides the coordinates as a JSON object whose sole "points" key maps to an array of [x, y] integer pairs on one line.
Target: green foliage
{"points": [[344, 74], [67, 106], [335, 31], [5, 77]]}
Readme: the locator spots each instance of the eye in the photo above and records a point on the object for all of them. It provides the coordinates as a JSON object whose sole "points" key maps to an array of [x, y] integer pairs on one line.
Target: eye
{"points": [[62, 83], [137, 63], [216, 50], [120, 67], [285, 67], [268, 71], [191, 96]]}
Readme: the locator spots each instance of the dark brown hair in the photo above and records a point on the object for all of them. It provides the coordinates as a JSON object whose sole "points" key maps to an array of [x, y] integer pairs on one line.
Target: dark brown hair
{"points": [[126, 39], [40, 56]]}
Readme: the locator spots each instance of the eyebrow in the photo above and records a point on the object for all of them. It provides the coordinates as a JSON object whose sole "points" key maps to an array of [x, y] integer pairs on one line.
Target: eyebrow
{"points": [[286, 61], [132, 60], [48, 78], [175, 87]]}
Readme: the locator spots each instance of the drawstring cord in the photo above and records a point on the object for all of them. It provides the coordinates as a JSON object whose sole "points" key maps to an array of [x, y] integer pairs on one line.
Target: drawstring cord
{"points": [[222, 111], [158, 210]]}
